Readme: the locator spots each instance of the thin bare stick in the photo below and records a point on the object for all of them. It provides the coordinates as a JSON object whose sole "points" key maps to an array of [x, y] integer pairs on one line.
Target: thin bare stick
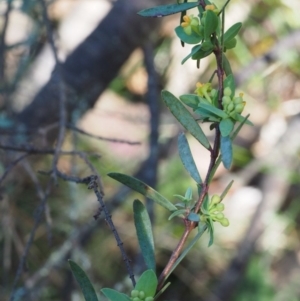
{"points": [[80, 131]]}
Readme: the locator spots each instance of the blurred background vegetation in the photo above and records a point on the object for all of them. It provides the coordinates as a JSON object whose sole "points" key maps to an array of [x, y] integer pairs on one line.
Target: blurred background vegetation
{"points": [[256, 258]]}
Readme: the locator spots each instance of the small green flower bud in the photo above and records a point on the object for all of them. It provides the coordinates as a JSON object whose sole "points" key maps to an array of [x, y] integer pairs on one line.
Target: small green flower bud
{"points": [[213, 92], [188, 30], [230, 107], [219, 216], [141, 295], [195, 22], [226, 100], [149, 299], [224, 222], [227, 91], [215, 200], [134, 293], [220, 207], [237, 100], [136, 299], [239, 107]]}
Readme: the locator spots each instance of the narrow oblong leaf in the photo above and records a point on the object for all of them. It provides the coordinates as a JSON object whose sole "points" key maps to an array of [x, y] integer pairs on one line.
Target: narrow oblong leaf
{"points": [[114, 295], [85, 284], [211, 24], [185, 117], [242, 119], [230, 44], [226, 126], [232, 32], [147, 283], [226, 65], [200, 54], [165, 10], [143, 189], [187, 158], [190, 100], [236, 131], [144, 233], [194, 50], [193, 38], [177, 213], [222, 196], [213, 109], [226, 151], [210, 226]]}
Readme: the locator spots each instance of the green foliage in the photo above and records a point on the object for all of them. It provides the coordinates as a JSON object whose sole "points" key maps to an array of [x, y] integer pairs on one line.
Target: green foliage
{"points": [[143, 189], [165, 10], [184, 117], [84, 282], [144, 233], [187, 158], [219, 107]]}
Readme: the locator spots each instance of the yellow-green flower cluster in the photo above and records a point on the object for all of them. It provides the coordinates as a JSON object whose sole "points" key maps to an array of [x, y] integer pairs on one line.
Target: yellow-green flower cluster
{"points": [[215, 211], [189, 24], [140, 296], [232, 105], [206, 91]]}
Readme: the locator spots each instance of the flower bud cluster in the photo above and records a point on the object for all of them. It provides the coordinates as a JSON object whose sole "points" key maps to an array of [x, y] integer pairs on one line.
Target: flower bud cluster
{"points": [[140, 296], [189, 24], [232, 105], [215, 211]]}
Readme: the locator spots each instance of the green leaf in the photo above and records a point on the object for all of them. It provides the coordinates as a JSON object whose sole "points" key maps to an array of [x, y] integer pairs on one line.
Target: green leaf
{"points": [[143, 189], [194, 217], [177, 213], [226, 126], [226, 65], [226, 151], [229, 82], [207, 115], [85, 284], [236, 131], [187, 158], [192, 100], [242, 119], [194, 50], [210, 226], [165, 10], [230, 44], [211, 24], [147, 283], [205, 205], [213, 109], [185, 117], [200, 54], [144, 233], [193, 38], [222, 196], [232, 32], [114, 295]]}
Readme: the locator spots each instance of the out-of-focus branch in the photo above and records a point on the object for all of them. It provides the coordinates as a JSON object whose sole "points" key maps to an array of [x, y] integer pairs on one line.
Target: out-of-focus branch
{"points": [[94, 63]]}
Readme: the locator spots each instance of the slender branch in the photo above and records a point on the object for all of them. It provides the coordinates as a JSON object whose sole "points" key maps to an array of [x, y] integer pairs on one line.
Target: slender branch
{"points": [[214, 152], [80, 131], [93, 185], [61, 89]]}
